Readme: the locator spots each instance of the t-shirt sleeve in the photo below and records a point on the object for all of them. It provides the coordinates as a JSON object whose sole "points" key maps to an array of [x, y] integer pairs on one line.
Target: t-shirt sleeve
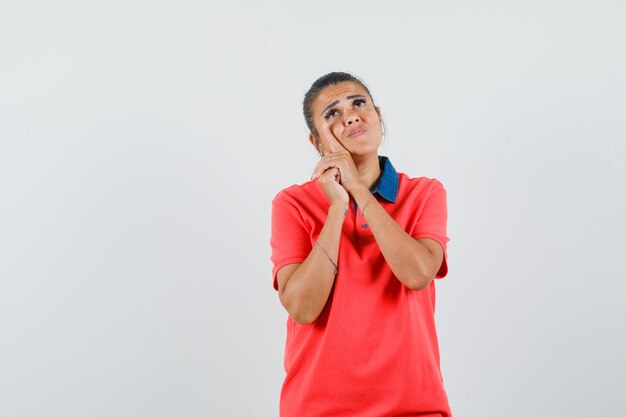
{"points": [[290, 238], [432, 222]]}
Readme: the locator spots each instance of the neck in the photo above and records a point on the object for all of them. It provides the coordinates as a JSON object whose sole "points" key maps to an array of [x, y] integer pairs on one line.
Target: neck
{"points": [[368, 168]]}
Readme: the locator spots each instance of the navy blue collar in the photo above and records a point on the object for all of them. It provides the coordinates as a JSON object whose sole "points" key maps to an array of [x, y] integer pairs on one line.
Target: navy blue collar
{"points": [[387, 184]]}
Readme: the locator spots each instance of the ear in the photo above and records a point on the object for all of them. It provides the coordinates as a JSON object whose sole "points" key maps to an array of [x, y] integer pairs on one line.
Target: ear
{"points": [[314, 141], [377, 110]]}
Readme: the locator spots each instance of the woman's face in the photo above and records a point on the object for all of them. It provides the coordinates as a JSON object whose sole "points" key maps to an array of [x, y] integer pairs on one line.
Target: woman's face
{"points": [[351, 117]]}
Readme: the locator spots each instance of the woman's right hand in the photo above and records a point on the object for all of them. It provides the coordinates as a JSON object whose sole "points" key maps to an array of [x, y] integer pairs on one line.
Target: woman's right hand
{"points": [[336, 194]]}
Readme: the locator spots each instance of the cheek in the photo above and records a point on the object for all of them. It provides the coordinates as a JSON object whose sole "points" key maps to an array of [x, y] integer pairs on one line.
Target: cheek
{"points": [[373, 117]]}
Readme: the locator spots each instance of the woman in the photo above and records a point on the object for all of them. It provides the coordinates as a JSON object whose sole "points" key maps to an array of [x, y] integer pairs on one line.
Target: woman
{"points": [[355, 251]]}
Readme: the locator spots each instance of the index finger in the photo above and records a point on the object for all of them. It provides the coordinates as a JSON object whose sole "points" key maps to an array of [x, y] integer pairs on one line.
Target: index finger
{"points": [[333, 143]]}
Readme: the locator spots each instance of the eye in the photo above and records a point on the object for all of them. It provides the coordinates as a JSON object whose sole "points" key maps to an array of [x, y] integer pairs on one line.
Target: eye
{"points": [[330, 113], [359, 102]]}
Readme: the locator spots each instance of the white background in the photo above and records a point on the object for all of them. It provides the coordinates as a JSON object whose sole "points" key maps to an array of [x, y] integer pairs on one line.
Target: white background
{"points": [[141, 143]]}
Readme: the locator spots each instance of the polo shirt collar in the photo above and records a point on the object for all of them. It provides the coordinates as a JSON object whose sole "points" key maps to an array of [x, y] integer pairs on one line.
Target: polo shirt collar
{"points": [[387, 185]]}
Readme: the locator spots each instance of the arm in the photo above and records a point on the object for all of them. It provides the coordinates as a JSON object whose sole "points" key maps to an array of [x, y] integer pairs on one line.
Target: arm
{"points": [[304, 287], [413, 261]]}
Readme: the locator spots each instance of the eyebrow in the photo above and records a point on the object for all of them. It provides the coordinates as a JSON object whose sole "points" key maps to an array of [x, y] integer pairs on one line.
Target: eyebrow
{"points": [[337, 101]]}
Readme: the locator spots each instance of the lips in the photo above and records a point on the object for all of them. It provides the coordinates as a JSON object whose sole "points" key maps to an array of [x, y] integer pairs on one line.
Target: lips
{"points": [[356, 133]]}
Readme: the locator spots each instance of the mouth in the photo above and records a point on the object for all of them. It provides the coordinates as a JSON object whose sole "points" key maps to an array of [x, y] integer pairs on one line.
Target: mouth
{"points": [[356, 133]]}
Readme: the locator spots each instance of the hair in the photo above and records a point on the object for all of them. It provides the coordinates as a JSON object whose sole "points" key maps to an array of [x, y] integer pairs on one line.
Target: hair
{"points": [[322, 82]]}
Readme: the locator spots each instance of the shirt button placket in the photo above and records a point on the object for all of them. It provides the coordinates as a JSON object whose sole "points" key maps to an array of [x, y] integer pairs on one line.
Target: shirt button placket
{"points": [[361, 224]]}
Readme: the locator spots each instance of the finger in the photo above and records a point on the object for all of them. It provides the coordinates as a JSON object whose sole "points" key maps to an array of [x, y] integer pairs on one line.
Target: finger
{"points": [[334, 146], [338, 176], [323, 166], [333, 143], [329, 160], [331, 174]]}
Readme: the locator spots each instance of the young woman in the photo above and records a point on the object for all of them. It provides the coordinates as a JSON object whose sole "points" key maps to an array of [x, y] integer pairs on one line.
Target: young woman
{"points": [[355, 253]]}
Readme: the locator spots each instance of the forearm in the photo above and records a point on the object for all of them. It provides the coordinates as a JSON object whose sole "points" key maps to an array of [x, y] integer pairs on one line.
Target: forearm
{"points": [[309, 286], [407, 258]]}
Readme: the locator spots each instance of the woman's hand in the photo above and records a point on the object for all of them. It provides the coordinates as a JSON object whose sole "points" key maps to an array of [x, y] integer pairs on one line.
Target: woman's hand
{"points": [[338, 159], [336, 194]]}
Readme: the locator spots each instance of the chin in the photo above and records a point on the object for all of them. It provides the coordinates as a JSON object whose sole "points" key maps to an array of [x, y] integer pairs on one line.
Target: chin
{"points": [[363, 151]]}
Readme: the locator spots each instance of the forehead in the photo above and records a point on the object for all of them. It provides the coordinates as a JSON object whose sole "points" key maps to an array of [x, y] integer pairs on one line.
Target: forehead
{"points": [[338, 92]]}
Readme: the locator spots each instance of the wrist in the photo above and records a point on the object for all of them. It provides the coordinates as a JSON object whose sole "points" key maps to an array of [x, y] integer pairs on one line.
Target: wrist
{"points": [[355, 188], [360, 193], [339, 209]]}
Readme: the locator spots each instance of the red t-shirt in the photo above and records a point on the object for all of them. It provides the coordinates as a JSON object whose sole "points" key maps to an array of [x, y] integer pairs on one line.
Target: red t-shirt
{"points": [[373, 350]]}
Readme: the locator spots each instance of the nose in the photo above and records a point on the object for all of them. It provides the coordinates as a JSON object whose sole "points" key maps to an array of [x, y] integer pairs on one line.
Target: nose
{"points": [[351, 117]]}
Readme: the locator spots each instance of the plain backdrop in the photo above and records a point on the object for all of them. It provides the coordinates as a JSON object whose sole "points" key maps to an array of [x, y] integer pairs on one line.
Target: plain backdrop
{"points": [[141, 143]]}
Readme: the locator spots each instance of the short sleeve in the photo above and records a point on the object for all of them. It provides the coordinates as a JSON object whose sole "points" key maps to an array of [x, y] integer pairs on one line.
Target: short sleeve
{"points": [[290, 238], [432, 222]]}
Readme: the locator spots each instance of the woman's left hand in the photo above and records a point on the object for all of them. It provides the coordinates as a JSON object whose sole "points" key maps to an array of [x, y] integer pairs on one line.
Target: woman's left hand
{"points": [[338, 157]]}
